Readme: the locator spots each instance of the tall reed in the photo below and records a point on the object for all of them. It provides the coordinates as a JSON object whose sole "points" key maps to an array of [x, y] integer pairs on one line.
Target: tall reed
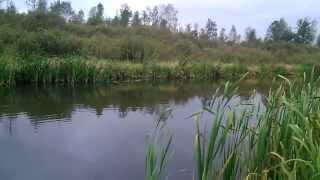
{"points": [[246, 141]]}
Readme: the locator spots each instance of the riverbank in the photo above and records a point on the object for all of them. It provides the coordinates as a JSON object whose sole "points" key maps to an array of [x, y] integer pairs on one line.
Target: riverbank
{"points": [[82, 71]]}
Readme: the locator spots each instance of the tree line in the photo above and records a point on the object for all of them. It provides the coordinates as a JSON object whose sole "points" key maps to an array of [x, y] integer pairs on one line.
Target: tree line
{"points": [[165, 17], [58, 29]]}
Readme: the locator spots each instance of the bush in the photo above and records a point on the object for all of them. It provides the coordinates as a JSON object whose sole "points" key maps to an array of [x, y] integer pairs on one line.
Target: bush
{"points": [[136, 49], [9, 35], [36, 21], [184, 49], [48, 43]]}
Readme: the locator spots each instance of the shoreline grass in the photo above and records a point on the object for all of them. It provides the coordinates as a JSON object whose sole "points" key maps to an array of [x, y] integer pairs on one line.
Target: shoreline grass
{"points": [[279, 142], [78, 70]]}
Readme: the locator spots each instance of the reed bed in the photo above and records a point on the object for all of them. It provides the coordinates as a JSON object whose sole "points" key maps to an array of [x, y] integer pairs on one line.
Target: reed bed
{"points": [[280, 140], [79, 70]]}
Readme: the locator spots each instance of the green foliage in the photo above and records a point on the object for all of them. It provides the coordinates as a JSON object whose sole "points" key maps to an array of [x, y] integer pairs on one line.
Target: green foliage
{"points": [[158, 152], [184, 49], [125, 15], [153, 37], [96, 15], [279, 31], [251, 35], [62, 8], [48, 43], [245, 141], [36, 21], [211, 30], [134, 49], [306, 31]]}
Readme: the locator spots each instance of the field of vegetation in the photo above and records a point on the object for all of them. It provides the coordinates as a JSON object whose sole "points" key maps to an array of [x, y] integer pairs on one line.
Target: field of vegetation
{"points": [[278, 141], [56, 44]]}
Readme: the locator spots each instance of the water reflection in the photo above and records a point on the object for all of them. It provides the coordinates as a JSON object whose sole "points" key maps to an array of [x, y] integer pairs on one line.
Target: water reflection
{"points": [[98, 132], [43, 104]]}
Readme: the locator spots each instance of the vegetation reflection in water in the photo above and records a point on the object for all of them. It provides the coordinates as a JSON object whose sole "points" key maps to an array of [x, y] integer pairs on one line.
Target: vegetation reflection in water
{"points": [[282, 142]]}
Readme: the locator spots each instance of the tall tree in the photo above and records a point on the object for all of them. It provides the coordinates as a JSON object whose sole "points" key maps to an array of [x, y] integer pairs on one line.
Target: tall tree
{"points": [[222, 35], [188, 28], [32, 4], [11, 8], [163, 24], [145, 18], [42, 6], [211, 29], [100, 11], [62, 8], [234, 37], [194, 32], [203, 34], [77, 18], [306, 31], [136, 21], [96, 15], [168, 15], [38, 5], [279, 31], [125, 15], [115, 21], [154, 15], [251, 35]]}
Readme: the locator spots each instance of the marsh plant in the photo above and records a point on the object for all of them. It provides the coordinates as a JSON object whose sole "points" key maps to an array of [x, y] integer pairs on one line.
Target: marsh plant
{"points": [[280, 140], [158, 149]]}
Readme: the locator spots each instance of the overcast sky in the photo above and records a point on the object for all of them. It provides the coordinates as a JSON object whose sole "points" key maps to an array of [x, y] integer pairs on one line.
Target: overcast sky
{"points": [[242, 13]]}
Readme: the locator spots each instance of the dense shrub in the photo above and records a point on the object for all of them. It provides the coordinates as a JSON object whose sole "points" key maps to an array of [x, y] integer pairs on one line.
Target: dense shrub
{"points": [[48, 43], [49, 34], [136, 49], [35, 21], [184, 49]]}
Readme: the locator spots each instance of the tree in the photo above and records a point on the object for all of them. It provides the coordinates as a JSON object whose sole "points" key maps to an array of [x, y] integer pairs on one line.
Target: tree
{"points": [[211, 29], [154, 15], [96, 15], [42, 6], [203, 34], [115, 21], [279, 31], [63, 9], [163, 24], [188, 28], [136, 21], [32, 4], [100, 11], [222, 35], [125, 15], [194, 32], [168, 16], [251, 35], [233, 35], [77, 18], [145, 18], [306, 31], [163, 16], [11, 8]]}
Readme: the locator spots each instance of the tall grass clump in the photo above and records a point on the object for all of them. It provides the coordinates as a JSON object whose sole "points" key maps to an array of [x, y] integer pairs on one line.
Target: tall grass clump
{"points": [[158, 150], [279, 140]]}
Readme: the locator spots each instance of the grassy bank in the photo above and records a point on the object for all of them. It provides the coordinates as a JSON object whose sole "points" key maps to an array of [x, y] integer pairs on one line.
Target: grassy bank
{"points": [[78, 70], [277, 141]]}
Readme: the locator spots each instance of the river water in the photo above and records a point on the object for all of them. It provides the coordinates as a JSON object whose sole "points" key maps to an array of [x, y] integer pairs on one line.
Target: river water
{"points": [[99, 132]]}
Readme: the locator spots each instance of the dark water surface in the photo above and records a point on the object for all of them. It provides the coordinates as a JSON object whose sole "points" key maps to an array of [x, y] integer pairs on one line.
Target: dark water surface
{"points": [[98, 133]]}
